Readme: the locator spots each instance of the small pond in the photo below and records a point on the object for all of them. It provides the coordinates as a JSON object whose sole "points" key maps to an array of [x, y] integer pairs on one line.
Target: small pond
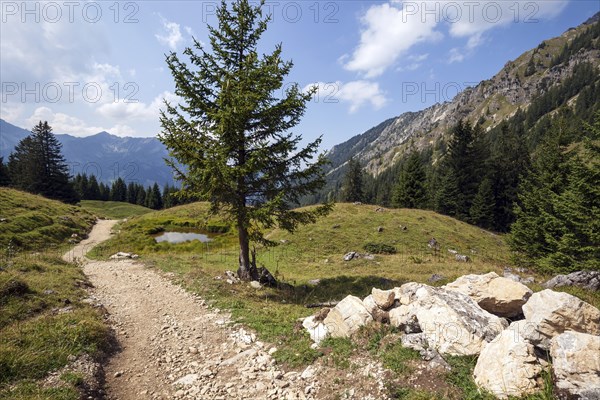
{"points": [[180, 237]]}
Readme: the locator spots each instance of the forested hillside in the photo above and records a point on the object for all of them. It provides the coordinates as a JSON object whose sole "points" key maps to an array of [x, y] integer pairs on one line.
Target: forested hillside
{"points": [[560, 76]]}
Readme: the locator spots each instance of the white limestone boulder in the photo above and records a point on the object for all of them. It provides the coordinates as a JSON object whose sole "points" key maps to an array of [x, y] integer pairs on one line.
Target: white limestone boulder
{"points": [[576, 365], [347, 317], [509, 366], [549, 313], [498, 295]]}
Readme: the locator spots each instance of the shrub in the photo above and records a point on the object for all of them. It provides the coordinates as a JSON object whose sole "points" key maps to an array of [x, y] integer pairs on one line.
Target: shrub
{"points": [[379, 248]]}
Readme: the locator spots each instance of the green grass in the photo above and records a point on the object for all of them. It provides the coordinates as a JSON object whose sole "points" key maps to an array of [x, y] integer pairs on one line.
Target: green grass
{"points": [[42, 318], [113, 209], [30, 390], [340, 350], [42, 323], [33, 222]]}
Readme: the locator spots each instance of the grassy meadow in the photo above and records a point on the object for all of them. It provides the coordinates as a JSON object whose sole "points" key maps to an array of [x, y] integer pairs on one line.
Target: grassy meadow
{"points": [[113, 209], [33, 222], [43, 322], [309, 262]]}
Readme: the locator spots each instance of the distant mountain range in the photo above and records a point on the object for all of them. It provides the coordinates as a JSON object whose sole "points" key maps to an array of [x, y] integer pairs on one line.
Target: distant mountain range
{"points": [[107, 156]]}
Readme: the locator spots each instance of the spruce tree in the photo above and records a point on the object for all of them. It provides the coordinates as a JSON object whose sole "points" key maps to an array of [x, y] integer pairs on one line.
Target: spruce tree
{"points": [[411, 191], [104, 192], [578, 209], [461, 171], [4, 176], [509, 160], [150, 198], [141, 196], [353, 189], [94, 189], [118, 191], [154, 198], [167, 197], [231, 131], [537, 221], [37, 166], [448, 194], [85, 187], [482, 209], [131, 193]]}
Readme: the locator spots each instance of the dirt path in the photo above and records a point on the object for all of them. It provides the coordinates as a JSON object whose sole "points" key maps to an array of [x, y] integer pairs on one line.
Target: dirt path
{"points": [[173, 346]]}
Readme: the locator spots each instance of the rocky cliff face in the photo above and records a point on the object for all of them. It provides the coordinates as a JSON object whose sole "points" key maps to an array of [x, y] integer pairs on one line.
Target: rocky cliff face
{"points": [[492, 101]]}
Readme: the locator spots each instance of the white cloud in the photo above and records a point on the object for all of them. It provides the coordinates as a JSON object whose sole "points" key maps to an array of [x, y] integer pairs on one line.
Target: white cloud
{"points": [[11, 113], [391, 29], [474, 18], [388, 32], [172, 36], [46, 52], [455, 56], [419, 57], [121, 111], [355, 93], [63, 123], [359, 93]]}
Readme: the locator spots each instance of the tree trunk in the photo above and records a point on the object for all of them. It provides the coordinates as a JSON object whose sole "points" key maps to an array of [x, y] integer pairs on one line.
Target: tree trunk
{"points": [[247, 270]]}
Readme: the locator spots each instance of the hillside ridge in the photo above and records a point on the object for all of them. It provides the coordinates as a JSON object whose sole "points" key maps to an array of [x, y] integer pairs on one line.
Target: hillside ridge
{"points": [[493, 100]]}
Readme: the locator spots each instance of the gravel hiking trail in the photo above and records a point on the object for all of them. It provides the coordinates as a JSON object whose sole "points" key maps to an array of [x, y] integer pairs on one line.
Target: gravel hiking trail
{"points": [[173, 346]]}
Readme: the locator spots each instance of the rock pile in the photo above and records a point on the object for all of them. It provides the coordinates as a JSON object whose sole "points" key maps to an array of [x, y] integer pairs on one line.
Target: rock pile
{"points": [[469, 317], [589, 280], [124, 256]]}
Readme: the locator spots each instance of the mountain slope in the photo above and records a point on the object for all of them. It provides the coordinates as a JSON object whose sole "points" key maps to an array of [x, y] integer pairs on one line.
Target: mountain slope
{"points": [[490, 102], [104, 155]]}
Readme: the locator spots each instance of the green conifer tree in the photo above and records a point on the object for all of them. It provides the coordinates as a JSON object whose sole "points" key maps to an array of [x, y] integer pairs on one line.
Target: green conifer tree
{"points": [[131, 193], [104, 192], [536, 218], [353, 187], [231, 131], [94, 189], [141, 196], [411, 190], [118, 191], [4, 176], [482, 210], [37, 166]]}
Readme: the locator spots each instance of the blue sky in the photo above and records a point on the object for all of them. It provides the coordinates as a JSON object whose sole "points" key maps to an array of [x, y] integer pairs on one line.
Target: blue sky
{"points": [[93, 66]]}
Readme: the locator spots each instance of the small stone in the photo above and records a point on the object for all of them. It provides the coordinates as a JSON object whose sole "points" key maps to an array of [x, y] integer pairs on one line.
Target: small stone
{"points": [[118, 374], [255, 284], [308, 373], [193, 350]]}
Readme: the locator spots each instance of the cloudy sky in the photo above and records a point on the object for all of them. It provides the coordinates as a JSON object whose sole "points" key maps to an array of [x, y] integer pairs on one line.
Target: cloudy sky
{"points": [[88, 66]]}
